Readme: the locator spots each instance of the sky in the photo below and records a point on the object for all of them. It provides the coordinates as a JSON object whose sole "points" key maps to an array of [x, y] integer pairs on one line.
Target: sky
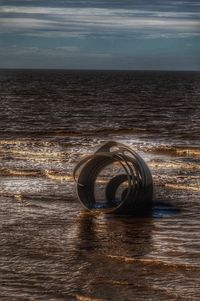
{"points": [[100, 34]]}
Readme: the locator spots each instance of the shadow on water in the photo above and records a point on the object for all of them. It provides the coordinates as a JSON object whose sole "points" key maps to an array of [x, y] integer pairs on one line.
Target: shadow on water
{"points": [[104, 234], [105, 244], [102, 238], [95, 230], [163, 209], [108, 234]]}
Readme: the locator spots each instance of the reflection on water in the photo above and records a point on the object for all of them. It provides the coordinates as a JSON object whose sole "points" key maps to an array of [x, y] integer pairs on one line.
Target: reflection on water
{"points": [[53, 250], [118, 235]]}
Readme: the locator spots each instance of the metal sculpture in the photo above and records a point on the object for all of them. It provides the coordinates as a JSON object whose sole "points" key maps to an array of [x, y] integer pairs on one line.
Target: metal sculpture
{"points": [[134, 181]]}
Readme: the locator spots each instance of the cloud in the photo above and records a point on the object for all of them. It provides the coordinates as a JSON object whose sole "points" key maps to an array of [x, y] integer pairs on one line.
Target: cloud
{"points": [[90, 32], [82, 20], [94, 11], [67, 48], [16, 24], [167, 35], [63, 51]]}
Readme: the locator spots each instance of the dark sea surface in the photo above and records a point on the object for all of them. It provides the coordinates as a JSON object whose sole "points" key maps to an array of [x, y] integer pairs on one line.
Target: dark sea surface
{"points": [[50, 248]]}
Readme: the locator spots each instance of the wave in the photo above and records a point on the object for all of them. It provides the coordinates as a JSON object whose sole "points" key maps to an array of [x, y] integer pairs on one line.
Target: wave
{"points": [[183, 187], [77, 132], [174, 165], [35, 154], [37, 197], [51, 174], [54, 175], [177, 150], [20, 172], [154, 262], [85, 298]]}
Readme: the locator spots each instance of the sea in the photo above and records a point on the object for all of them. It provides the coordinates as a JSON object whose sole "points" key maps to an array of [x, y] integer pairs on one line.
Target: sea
{"points": [[51, 248]]}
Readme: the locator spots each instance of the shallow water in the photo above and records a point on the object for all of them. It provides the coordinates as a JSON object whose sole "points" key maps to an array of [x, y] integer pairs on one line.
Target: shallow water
{"points": [[53, 250]]}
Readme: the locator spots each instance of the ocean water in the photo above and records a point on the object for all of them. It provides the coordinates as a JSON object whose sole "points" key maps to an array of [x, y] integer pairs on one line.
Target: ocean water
{"points": [[50, 248]]}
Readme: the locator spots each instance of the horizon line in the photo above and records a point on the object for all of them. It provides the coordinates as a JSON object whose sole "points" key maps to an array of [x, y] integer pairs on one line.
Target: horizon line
{"points": [[101, 69]]}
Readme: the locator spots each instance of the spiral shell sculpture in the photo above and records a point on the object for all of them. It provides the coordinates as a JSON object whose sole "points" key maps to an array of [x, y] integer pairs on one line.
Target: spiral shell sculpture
{"points": [[127, 192]]}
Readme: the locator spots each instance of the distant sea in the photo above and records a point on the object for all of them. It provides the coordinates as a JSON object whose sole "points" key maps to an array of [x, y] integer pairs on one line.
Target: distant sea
{"points": [[51, 249]]}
